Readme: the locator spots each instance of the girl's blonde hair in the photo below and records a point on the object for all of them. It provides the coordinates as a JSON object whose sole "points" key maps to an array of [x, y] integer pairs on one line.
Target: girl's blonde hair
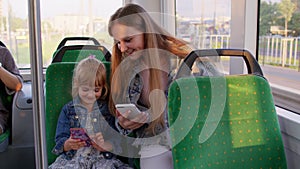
{"points": [[92, 72], [156, 39]]}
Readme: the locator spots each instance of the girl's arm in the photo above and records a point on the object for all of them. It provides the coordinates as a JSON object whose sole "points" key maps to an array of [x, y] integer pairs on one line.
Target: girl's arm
{"points": [[62, 131], [65, 144]]}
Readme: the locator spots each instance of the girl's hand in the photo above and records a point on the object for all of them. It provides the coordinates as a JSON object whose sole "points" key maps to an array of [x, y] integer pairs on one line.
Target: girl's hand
{"points": [[73, 144], [97, 139], [99, 143], [132, 124]]}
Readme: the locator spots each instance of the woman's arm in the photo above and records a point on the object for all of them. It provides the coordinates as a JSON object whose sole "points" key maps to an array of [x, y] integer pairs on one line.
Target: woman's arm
{"points": [[9, 73], [10, 80]]}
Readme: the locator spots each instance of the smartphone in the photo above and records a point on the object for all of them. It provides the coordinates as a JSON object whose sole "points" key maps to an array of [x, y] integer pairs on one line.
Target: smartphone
{"points": [[134, 111], [79, 133]]}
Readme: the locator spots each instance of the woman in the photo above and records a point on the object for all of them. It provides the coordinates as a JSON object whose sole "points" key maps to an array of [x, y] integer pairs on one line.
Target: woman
{"points": [[142, 66]]}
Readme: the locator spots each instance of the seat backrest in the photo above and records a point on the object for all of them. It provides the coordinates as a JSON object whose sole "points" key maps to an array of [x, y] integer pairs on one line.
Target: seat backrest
{"points": [[58, 90], [224, 122], [75, 53], [77, 40]]}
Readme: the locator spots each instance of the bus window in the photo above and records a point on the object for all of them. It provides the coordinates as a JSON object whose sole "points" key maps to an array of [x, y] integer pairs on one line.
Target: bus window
{"points": [[278, 50], [207, 24], [59, 19], [204, 23]]}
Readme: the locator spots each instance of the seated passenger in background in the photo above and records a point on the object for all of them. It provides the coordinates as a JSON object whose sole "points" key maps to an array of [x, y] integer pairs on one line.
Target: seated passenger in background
{"points": [[10, 82], [88, 112]]}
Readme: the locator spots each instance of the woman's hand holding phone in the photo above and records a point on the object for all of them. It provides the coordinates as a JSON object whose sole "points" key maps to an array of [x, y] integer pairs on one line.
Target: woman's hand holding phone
{"points": [[130, 111], [130, 117]]}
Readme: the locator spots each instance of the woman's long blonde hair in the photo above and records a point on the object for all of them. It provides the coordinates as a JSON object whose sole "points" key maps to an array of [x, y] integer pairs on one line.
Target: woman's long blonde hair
{"points": [[156, 39]]}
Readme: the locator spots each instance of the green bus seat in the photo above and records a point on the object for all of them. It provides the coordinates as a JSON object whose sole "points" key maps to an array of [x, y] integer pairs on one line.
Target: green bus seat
{"points": [[224, 121], [227, 122], [58, 90], [4, 140], [75, 53]]}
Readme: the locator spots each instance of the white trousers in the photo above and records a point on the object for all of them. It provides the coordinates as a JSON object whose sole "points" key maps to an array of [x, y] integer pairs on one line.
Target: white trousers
{"points": [[161, 158]]}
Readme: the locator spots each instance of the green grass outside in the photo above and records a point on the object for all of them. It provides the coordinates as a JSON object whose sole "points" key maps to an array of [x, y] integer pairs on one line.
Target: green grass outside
{"points": [[275, 61]]}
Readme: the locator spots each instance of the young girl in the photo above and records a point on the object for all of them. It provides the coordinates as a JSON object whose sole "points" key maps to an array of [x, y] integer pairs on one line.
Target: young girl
{"points": [[88, 111]]}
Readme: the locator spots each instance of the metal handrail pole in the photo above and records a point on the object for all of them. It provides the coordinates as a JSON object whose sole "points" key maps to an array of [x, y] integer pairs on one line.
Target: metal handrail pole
{"points": [[37, 84]]}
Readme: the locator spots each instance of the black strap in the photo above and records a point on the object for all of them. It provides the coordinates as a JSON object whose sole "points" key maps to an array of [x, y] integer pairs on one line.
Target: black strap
{"points": [[64, 41]]}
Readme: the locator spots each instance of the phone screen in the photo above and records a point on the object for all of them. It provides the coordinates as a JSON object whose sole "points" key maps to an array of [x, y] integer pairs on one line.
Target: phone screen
{"points": [[134, 111], [79, 133]]}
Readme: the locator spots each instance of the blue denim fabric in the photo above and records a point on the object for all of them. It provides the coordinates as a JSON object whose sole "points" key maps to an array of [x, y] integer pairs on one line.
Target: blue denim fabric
{"points": [[74, 115]]}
